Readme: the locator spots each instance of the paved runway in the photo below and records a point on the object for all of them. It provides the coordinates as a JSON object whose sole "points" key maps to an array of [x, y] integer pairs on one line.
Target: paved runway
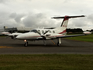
{"points": [[10, 46]]}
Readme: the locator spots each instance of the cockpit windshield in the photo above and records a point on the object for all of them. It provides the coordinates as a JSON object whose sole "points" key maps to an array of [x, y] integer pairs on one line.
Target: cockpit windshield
{"points": [[35, 31]]}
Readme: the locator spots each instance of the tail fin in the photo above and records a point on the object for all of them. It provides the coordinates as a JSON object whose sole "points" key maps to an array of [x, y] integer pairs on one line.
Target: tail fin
{"points": [[66, 18], [65, 22]]}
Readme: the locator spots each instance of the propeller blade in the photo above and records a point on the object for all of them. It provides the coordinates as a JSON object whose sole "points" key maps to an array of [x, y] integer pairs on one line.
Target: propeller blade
{"points": [[46, 32], [43, 35]]}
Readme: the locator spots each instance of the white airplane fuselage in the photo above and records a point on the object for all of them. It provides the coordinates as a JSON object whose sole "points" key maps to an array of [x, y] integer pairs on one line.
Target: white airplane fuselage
{"points": [[51, 34]]}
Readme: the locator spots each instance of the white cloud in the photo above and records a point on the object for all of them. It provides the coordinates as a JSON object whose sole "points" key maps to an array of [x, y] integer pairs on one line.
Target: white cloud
{"points": [[34, 13]]}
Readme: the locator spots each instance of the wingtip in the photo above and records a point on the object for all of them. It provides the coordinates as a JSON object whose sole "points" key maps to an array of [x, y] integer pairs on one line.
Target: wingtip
{"points": [[87, 33], [83, 15]]}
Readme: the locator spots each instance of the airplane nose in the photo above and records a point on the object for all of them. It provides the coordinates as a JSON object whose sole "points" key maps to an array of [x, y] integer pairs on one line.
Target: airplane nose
{"points": [[22, 36], [17, 37]]}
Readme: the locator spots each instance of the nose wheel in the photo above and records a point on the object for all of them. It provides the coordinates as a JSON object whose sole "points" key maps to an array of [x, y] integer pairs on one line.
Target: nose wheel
{"points": [[26, 43]]}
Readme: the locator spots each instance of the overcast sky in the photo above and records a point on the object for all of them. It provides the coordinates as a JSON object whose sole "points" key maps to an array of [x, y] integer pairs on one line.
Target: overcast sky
{"points": [[38, 13]]}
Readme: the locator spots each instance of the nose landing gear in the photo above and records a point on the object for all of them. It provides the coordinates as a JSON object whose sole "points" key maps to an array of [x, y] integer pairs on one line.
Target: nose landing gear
{"points": [[26, 43]]}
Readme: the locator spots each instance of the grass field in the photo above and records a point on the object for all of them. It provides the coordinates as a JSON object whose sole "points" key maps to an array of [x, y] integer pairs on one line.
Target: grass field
{"points": [[87, 38], [46, 62]]}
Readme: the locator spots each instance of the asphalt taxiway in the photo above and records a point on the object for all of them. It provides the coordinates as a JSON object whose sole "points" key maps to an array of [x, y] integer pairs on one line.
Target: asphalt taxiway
{"points": [[10, 46]]}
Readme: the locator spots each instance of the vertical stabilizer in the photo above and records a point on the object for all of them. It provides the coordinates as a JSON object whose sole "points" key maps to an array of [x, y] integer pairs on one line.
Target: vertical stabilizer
{"points": [[63, 27]]}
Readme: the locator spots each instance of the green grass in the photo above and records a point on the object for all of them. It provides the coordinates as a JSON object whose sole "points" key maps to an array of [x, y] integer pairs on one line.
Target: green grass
{"points": [[46, 62], [87, 38]]}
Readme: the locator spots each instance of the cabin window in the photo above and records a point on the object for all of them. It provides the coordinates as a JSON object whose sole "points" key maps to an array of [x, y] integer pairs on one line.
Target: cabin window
{"points": [[53, 31], [39, 31], [35, 31], [49, 31]]}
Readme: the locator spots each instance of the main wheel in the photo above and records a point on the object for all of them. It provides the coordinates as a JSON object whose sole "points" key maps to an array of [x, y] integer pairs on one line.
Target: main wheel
{"points": [[59, 42]]}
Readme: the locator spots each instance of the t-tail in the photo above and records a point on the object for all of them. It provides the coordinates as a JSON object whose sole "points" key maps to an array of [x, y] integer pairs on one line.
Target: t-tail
{"points": [[63, 27]]}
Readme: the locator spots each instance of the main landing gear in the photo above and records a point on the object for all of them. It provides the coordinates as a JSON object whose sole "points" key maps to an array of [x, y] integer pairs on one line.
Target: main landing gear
{"points": [[26, 43], [59, 42]]}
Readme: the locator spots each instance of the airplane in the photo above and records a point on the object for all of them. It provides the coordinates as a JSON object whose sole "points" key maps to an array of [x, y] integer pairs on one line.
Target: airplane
{"points": [[10, 34], [49, 33]]}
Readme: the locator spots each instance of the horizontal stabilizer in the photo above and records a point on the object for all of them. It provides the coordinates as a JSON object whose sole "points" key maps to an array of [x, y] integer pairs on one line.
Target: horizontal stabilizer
{"points": [[68, 17]]}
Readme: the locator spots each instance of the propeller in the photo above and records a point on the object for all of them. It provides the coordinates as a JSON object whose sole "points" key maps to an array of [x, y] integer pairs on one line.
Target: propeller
{"points": [[43, 35], [46, 32]]}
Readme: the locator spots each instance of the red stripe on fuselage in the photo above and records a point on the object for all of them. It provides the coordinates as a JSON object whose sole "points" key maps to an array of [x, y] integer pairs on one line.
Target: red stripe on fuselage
{"points": [[62, 32]]}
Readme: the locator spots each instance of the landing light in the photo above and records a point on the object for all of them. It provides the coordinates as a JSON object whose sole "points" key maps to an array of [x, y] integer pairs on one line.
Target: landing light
{"points": [[24, 40]]}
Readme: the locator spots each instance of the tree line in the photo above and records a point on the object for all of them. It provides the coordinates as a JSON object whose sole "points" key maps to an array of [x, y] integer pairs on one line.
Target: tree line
{"points": [[75, 30]]}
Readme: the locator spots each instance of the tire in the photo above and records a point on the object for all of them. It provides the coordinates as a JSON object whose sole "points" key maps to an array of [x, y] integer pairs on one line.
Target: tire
{"points": [[58, 44], [26, 44]]}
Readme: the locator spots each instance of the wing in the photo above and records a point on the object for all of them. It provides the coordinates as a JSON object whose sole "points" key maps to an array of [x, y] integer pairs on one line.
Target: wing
{"points": [[71, 36], [84, 33]]}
